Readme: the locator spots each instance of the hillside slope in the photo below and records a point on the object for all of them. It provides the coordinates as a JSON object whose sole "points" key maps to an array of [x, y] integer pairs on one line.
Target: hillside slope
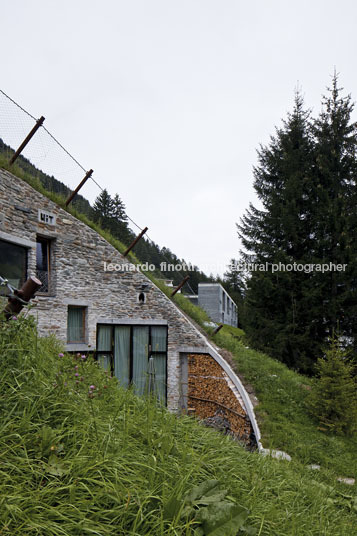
{"points": [[79, 455], [282, 412]]}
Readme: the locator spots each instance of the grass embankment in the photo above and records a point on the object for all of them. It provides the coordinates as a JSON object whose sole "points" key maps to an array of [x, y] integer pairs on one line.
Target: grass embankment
{"points": [[91, 458], [283, 411], [278, 494]]}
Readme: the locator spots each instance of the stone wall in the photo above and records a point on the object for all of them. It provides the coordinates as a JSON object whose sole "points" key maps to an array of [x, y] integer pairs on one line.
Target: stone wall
{"points": [[78, 276], [78, 254]]}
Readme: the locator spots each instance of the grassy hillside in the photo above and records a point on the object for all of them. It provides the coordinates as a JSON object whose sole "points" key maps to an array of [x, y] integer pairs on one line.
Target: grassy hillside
{"points": [[283, 411], [119, 465], [91, 458]]}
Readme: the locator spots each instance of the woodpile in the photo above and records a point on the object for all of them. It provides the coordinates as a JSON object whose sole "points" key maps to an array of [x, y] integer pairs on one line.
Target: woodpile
{"points": [[209, 395]]}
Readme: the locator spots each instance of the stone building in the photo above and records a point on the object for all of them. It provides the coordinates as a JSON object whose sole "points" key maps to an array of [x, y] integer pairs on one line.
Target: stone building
{"points": [[217, 303], [122, 316]]}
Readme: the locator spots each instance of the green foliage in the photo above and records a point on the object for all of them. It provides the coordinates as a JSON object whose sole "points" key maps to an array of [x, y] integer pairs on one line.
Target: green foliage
{"points": [[115, 464], [44, 183], [333, 399], [305, 180], [207, 506], [283, 410], [110, 214]]}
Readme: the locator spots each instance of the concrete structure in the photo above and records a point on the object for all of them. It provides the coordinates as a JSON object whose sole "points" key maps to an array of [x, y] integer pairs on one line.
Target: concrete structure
{"points": [[217, 303], [92, 306]]}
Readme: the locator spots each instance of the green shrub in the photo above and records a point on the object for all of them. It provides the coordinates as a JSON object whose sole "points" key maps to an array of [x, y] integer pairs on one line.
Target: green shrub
{"points": [[333, 398]]}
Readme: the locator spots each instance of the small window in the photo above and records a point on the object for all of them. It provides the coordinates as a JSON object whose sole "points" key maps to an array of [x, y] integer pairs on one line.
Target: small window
{"points": [[76, 324], [141, 298], [43, 263], [13, 263]]}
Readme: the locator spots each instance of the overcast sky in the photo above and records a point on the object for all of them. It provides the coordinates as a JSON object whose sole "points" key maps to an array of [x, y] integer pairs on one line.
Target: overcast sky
{"points": [[168, 101]]}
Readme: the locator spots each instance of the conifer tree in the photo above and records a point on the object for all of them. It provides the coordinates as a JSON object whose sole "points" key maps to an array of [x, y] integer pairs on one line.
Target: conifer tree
{"points": [[333, 398], [306, 181], [334, 221], [103, 205], [118, 209], [276, 312]]}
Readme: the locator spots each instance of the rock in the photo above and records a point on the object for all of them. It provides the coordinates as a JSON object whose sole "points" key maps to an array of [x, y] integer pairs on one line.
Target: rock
{"points": [[348, 481], [219, 422], [314, 467], [278, 454]]}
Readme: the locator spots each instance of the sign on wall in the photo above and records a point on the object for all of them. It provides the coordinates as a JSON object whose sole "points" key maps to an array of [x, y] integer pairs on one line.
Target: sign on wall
{"points": [[46, 217]]}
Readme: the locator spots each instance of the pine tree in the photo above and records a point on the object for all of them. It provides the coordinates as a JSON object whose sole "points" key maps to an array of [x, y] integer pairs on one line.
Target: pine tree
{"points": [[103, 206], [306, 180], [276, 307], [118, 209], [333, 398], [335, 215]]}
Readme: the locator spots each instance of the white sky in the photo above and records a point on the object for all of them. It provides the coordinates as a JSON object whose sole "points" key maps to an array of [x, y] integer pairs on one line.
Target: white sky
{"points": [[168, 100]]}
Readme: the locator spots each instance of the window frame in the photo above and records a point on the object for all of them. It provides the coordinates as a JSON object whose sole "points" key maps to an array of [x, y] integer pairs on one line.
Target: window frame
{"points": [[84, 323], [151, 353], [25, 268], [49, 243]]}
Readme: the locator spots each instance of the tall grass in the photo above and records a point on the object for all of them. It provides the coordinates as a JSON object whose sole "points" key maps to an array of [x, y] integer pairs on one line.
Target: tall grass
{"points": [[92, 458]]}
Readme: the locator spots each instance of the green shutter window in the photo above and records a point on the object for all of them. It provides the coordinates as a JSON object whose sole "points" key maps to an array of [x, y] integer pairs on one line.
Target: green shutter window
{"points": [[160, 376], [140, 358], [158, 338], [159, 349], [104, 345], [137, 355], [122, 354], [76, 324]]}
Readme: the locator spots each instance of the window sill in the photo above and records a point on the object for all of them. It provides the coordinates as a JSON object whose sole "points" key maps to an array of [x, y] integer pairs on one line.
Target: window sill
{"points": [[78, 347]]}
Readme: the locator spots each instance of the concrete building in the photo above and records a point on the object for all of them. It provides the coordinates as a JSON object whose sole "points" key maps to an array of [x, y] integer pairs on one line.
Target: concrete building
{"points": [[217, 303], [120, 315]]}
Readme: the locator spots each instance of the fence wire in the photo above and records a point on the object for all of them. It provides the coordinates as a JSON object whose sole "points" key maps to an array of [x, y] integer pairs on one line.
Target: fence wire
{"points": [[43, 150], [47, 154]]}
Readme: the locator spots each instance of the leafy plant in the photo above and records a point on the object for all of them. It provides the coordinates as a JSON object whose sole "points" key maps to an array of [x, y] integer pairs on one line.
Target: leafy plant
{"points": [[209, 506]]}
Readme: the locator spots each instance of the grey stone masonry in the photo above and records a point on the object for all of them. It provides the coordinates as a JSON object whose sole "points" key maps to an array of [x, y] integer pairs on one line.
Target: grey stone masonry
{"points": [[77, 277]]}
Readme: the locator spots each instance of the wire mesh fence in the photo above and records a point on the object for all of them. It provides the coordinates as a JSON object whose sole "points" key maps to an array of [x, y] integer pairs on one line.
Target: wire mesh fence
{"points": [[47, 155], [43, 151]]}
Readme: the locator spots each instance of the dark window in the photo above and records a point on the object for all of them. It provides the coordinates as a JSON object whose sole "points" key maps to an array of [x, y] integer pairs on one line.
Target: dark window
{"points": [[76, 324], [43, 263], [13, 263], [224, 301], [136, 355]]}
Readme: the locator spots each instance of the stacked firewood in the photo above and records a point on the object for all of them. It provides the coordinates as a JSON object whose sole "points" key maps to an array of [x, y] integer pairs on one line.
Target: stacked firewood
{"points": [[209, 394]]}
